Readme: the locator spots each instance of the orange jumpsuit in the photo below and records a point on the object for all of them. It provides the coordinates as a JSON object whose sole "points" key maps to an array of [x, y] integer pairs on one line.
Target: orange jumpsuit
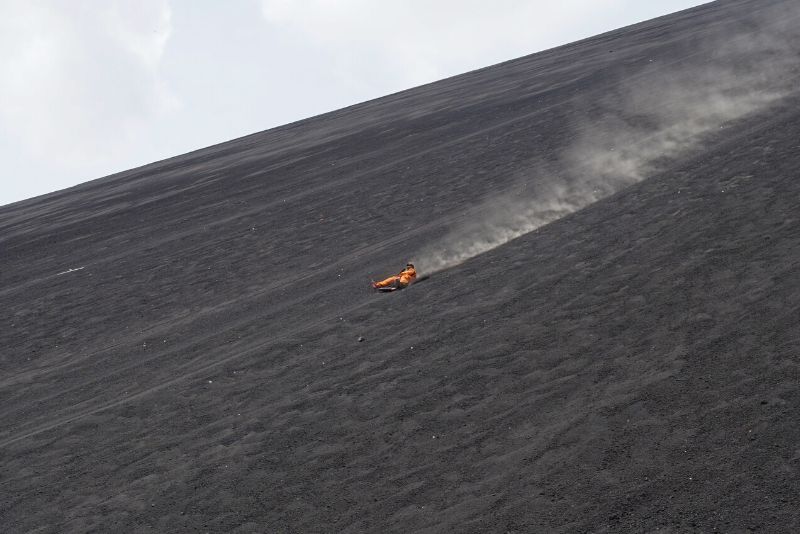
{"points": [[408, 275]]}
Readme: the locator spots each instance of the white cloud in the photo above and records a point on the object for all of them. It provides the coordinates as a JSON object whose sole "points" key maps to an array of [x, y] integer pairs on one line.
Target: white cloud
{"points": [[79, 80]]}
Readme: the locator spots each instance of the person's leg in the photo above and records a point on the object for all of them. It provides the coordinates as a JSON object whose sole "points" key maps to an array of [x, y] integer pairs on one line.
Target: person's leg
{"points": [[388, 282]]}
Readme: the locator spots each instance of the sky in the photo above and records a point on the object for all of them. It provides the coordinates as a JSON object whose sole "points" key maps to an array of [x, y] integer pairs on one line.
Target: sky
{"points": [[93, 87]]}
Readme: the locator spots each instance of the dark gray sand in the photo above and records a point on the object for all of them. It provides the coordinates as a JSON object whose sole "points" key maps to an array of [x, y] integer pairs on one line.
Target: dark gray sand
{"points": [[180, 342]]}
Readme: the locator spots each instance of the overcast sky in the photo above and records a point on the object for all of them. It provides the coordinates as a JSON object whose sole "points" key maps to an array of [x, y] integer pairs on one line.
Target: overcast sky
{"points": [[93, 87]]}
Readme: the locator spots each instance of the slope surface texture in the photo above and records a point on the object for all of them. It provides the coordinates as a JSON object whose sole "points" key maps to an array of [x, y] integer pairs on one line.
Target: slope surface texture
{"points": [[606, 339]]}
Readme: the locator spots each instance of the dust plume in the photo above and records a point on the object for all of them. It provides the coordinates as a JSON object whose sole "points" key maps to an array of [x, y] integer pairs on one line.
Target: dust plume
{"points": [[647, 119]]}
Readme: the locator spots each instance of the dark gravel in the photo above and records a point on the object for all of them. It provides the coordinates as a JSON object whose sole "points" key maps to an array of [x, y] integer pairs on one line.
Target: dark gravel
{"points": [[216, 362]]}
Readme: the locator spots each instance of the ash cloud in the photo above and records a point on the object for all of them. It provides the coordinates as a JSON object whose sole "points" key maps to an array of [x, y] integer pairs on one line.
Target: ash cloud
{"points": [[650, 118]]}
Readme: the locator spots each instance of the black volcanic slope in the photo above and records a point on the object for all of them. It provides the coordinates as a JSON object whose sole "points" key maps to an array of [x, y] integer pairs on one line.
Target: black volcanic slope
{"points": [[180, 342]]}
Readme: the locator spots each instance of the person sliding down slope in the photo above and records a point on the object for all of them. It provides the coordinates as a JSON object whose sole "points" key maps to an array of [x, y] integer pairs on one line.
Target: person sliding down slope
{"points": [[398, 281]]}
